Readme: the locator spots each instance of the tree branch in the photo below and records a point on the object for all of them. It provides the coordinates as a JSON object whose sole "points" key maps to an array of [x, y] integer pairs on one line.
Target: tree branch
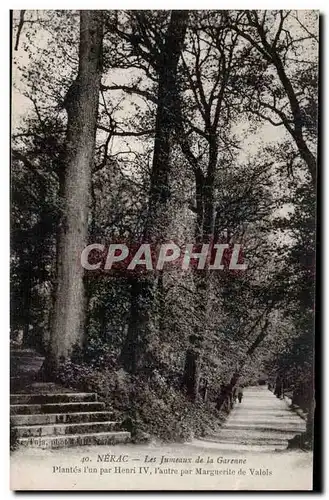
{"points": [[131, 90], [20, 27], [127, 133]]}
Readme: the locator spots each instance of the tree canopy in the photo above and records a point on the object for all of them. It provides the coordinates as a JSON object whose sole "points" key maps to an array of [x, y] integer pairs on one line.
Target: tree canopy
{"points": [[155, 126]]}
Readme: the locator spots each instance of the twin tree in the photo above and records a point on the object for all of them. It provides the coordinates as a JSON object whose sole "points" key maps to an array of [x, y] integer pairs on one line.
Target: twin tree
{"points": [[82, 108], [207, 68]]}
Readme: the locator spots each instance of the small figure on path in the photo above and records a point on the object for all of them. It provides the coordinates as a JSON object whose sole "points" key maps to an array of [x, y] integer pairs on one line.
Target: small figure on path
{"points": [[278, 387], [235, 395], [240, 394]]}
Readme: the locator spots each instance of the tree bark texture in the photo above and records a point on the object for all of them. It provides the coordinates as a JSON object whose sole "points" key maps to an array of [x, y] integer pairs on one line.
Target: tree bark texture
{"points": [[81, 103], [142, 327]]}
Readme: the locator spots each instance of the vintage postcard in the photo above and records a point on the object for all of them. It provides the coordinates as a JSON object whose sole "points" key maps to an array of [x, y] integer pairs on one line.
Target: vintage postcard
{"points": [[163, 214]]}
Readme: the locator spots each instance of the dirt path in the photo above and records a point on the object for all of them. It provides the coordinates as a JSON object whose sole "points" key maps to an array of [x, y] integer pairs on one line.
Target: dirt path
{"points": [[261, 422], [248, 454]]}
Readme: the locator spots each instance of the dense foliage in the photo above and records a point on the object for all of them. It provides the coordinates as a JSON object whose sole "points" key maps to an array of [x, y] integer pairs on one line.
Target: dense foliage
{"points": [[206, 132]]}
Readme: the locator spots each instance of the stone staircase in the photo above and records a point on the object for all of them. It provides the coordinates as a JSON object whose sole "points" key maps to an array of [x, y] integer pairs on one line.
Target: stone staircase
{"points": [[24, 368], [60, 420], [261, 422], [46, 415]]}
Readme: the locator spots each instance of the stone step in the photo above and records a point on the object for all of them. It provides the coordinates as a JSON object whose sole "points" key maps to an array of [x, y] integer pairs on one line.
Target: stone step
{"points": [[236, 447], [56, 408], [257, 397], [61, 418], [246, 417], [257, 387], [274, 405], [18, 382], [260, 441], [265, 417], [101, 438], [26, 431], [52, 398], [23, 351], [266, 420], [257, 393], [266, 423], [22, 366], [39, 387], [261, 407], [247, 434], [289, 427], [269, 414]]}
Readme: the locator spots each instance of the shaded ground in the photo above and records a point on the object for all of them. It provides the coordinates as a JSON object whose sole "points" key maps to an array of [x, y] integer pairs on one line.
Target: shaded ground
{"points": [[261, 422], [25, 365], [230, 460]]}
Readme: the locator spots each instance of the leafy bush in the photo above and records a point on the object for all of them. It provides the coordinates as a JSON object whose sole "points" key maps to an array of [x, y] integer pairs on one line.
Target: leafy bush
{"points": [[167, 414], [149, 408], [13, 438], [110, 385]]}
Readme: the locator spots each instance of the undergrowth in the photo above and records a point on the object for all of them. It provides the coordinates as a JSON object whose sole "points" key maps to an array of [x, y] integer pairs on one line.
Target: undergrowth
{"points": [[150, 408]]}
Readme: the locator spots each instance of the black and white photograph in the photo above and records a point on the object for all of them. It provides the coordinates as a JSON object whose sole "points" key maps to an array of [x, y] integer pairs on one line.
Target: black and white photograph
{"points": [[163, 199]]}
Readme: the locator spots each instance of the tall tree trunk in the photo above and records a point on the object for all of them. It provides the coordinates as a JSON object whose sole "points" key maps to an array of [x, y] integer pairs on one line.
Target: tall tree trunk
{"points": [[204, 233], [136, 353], [26, 304], [67, 329]]}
